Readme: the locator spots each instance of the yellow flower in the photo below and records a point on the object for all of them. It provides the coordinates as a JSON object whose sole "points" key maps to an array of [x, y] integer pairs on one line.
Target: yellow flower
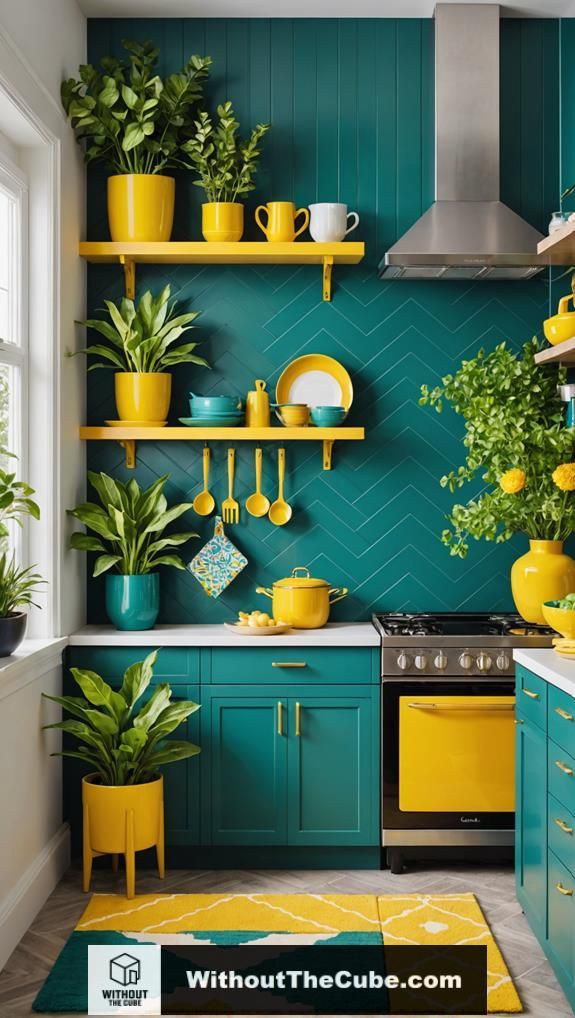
{"points": [[564, 476], [513, 481]]}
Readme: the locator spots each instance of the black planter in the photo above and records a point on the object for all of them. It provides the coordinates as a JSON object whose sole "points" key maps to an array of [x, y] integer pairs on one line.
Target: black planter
{"points": [[12, 630]]}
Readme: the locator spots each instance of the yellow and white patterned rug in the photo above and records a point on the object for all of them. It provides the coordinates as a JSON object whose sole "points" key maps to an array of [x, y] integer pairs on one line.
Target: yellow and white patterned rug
{"points": [[274, 919]]}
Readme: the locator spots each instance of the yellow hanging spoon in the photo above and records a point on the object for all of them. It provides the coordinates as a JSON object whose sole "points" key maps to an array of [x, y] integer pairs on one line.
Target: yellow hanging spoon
{"points": [[204, 502], [280, 511], [257, 504]]}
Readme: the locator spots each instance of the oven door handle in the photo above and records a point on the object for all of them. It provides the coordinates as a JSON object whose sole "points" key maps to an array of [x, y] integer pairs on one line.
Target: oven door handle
{"points": [[463, 706]]}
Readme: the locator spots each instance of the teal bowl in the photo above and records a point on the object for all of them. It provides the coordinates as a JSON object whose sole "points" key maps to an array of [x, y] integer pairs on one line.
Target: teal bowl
{"points": [[328, 417], [215, 404]]}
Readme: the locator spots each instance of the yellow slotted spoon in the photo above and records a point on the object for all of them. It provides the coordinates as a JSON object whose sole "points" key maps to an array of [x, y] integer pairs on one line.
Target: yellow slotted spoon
{"points": [[204, 501], [280, 511], [257, 504]]}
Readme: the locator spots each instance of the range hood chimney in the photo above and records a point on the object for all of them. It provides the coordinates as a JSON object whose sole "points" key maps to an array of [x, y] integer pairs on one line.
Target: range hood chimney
{"points": [[468, 233]]}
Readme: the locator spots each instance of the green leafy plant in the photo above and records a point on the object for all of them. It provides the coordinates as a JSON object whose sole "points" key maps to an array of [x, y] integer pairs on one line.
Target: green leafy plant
{"points": [[142, 336], [17, 586], [15, 500], [128, 116], [124, 740], [225, 164], [129, 524], [516, 443]]}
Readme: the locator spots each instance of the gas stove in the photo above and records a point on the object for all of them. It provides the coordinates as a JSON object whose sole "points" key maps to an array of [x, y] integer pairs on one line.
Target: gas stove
{"points": [[453, 644]]}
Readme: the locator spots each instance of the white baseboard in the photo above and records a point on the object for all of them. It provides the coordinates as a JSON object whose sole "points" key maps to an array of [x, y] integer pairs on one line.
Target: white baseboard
{"points": [[22, 905]]}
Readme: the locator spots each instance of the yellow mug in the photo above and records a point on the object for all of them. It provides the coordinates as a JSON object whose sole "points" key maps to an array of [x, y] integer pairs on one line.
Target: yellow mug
{"points": [[281, 221]]}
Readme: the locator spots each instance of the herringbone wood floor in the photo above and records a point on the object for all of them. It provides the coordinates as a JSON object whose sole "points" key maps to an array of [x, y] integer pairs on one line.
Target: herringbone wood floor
{"points": [[541, 995]]}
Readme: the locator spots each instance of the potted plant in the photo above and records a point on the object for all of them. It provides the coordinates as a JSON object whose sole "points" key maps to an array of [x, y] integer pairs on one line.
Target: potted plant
{"points": [[134, 121], [517, 442], [17, 584], [123, 739], [141, 342], [129, 525], [226, 166]]}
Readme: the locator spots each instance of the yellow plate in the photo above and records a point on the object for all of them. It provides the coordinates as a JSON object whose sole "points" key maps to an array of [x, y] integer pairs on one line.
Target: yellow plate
{"points": [[136, 424], [317, 380], [257, 630]]}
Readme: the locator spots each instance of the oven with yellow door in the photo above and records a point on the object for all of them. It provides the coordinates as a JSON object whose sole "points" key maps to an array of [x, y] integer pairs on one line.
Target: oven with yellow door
{"points": [[447, 763]]}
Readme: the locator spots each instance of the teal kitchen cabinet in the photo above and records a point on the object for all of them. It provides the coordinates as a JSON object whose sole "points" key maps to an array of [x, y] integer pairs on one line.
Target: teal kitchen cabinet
{"points": [[531, 821], [291, 765], [182, 779]]}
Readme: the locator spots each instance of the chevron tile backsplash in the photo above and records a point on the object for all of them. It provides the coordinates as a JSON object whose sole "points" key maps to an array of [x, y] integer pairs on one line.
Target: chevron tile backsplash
{"points": [[351, 104]]}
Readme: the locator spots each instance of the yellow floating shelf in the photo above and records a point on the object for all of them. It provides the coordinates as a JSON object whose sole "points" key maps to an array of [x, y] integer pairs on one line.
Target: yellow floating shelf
{"points": [[127, 437], [240, 253]]}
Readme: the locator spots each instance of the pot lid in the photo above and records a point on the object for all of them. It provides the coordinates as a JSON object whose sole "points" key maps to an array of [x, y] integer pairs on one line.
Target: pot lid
{"points": [[306, 582]]}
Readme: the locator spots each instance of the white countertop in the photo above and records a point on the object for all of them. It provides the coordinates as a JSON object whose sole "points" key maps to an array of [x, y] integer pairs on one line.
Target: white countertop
{"points": [[335, 634], [557, 670]]}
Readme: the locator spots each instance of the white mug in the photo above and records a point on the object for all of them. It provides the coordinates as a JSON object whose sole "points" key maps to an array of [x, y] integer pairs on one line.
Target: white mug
{"points": [[328, 221]]}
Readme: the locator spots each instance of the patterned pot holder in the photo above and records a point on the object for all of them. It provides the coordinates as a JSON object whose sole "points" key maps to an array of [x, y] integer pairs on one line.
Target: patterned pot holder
{"points": [[218, 562]]}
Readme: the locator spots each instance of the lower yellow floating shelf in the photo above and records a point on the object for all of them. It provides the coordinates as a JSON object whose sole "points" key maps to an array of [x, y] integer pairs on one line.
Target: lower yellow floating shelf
{"points": [[127, 437]]}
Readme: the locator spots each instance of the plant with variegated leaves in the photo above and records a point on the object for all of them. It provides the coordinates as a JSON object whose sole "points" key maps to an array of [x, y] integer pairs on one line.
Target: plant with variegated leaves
{"points": [[128, 526], [142, 336], [124, 739]]}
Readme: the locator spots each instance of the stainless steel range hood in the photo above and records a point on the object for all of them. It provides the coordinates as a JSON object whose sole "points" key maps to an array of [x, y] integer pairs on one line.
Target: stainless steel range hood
{"points": [[468, 233]]}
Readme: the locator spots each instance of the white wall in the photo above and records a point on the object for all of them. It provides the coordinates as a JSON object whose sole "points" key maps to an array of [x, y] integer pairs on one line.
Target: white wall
{"points": [[34, 844], [40, 43]]}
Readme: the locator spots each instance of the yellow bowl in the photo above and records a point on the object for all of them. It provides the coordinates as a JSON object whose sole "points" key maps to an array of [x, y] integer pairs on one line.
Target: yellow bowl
{"points": [[560, 619], [293, 416], [559, 328]]}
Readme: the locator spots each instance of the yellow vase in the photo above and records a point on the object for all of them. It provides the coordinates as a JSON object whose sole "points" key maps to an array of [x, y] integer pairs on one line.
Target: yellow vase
{"points": [[143, 398], [141, 206], [544, 573], [222, 221]]}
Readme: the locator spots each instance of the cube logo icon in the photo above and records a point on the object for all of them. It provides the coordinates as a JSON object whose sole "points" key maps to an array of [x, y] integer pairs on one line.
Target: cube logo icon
{"points": [[125, 970]]}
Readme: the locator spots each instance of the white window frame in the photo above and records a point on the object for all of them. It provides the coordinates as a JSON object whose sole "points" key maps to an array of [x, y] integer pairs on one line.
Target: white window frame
{"points": [[16, 353]]}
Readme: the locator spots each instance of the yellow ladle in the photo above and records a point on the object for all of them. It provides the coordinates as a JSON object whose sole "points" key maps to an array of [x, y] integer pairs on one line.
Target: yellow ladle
{"points": [[204, 502], [257, 504], [280, 511]]}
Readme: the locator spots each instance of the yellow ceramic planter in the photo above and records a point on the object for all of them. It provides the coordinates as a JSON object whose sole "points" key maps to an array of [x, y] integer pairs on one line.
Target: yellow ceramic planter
{"points": [[122, 819], [222, 221], [143, 398], [141, 206], [544, 573]]}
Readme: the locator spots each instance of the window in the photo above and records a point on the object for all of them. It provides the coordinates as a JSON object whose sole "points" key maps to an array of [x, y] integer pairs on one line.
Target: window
{"points": [[13, 330]]}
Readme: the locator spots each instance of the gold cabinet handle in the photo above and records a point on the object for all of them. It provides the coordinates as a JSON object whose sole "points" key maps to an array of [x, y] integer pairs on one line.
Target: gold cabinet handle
{"points": [[563, 714], [280, 718], [563, 767], [298, 719], [289, 664], [532, 696], [463, 706], [564, 827], [567, 891]]}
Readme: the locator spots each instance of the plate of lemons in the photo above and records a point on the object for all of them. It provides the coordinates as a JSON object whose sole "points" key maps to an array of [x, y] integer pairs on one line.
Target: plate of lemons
{"points": [[257, 624]]}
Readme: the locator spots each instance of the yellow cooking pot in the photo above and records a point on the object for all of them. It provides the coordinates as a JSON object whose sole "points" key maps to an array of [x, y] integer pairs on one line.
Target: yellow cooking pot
{"points": [[303, 601]]}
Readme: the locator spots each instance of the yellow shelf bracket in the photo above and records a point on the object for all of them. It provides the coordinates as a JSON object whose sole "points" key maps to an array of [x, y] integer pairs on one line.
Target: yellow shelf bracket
{"points": [[327, 267], [327, 449], [129, 266], [129, 445]]}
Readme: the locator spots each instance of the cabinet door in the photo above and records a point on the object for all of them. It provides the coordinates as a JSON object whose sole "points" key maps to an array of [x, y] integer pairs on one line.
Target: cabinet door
{"points": [[531, 822], [245, 769], [332, 781], [562, 915]]}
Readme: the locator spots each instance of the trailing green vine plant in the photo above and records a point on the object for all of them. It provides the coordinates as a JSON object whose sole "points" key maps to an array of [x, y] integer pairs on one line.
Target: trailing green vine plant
{"points": [[516, 443]]}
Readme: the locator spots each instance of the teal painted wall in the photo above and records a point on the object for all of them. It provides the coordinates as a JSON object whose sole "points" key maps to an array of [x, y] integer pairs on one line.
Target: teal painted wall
{"points": [[351, 104]]}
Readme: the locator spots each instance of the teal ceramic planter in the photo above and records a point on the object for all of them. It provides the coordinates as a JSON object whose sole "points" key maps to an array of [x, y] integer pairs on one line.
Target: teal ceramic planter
{"points": [[133, 602]]}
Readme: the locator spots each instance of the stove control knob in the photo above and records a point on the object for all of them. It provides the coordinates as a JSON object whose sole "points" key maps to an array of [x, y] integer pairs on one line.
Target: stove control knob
{"points": [[503, 662], [403, 661], [466, 661], [440, 661], [483, 662], [420, 662]]}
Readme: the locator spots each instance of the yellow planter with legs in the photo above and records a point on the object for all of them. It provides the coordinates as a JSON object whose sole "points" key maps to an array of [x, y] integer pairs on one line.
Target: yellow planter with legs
{"points": [[222, 221], [141, 206], [122, 820], [143, 397], [544, 573]]}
